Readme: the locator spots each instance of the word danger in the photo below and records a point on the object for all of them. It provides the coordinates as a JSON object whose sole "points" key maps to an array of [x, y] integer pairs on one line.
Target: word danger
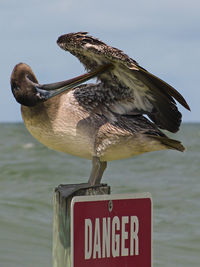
{"points": [[111, 237]]}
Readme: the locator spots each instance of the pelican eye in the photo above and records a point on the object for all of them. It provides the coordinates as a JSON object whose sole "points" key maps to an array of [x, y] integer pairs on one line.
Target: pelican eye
{"points": [[14, 86]]}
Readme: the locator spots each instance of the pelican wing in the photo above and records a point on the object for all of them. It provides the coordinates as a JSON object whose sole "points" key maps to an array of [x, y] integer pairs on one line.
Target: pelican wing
{"points": [[133, 89]]}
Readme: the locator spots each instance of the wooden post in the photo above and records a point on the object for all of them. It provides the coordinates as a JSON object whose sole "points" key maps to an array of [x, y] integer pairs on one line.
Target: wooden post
{"points": [[61, 224]]}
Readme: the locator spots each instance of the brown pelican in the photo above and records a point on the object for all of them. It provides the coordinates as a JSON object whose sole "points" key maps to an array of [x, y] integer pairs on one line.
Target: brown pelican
{"points": [[104, 121]]}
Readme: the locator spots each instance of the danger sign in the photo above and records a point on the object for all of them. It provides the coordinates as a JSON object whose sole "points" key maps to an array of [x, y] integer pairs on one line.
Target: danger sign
{"points": [[106, 241], [111, 230]]}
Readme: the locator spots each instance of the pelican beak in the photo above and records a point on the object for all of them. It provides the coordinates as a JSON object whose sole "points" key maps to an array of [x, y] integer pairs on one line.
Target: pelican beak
{"points": [[46, 91]]}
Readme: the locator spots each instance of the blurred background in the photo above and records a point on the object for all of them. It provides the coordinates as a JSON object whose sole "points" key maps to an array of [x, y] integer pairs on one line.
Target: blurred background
{"points": [[163, 37]]}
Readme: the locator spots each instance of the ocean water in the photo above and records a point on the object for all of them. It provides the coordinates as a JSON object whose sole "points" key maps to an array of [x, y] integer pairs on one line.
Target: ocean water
{"points": [[29, 172]]}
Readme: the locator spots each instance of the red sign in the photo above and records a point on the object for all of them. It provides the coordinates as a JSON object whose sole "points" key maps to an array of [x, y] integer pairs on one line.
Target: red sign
{"points": [[111, 231]]}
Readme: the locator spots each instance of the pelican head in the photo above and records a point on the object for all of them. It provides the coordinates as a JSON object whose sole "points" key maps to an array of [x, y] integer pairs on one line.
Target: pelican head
{"points": [[28, 92]]}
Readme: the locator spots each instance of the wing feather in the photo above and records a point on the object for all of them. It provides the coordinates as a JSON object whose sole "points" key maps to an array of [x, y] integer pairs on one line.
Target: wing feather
{"points": [[134, 89]]}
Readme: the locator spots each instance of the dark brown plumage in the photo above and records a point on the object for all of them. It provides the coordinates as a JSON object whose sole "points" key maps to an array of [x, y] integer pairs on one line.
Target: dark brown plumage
{"points": [[135, 90]]}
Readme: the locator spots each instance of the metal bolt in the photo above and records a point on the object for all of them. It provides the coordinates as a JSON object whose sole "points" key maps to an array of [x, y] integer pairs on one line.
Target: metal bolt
{"points": [[110, 205]]}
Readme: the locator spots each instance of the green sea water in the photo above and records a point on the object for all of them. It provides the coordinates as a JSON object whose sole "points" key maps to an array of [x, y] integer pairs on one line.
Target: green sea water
{"points": [[29, 172]]}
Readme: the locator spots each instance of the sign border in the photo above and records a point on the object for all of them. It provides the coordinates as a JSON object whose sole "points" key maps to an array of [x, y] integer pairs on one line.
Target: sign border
{"points": [[89, 198]]}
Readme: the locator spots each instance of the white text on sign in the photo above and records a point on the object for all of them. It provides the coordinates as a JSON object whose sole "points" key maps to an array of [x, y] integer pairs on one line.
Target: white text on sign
{"points": [[106, 237]]}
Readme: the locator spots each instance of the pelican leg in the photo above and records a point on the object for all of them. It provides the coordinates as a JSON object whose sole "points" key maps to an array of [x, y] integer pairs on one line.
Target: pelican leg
{"points": [[98, 168]]}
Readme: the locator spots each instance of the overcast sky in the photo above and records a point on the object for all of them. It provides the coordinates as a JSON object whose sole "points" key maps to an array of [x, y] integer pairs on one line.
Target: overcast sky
{"points": [[163, 36]]}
